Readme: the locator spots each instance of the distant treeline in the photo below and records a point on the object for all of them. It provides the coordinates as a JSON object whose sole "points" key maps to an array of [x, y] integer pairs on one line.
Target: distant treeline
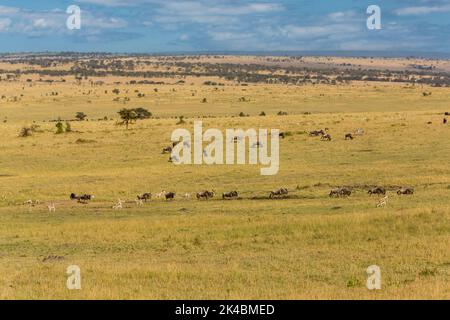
{"points": [[240, 73]]}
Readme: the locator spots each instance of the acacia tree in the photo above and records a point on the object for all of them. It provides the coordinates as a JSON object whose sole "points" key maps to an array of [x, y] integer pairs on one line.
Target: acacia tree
{"points": [[128, 116]]}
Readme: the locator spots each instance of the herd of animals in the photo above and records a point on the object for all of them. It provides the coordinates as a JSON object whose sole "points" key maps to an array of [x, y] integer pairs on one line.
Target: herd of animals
{"points": [[281, 193], [342, 192]]}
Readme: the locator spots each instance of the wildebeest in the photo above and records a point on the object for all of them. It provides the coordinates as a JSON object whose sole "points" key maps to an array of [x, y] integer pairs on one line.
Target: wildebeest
{"points": [[316, 133], [377, 190], [82, 198], [205, 195], [340, 192], [170, 195], [167, 150], [349, 136], [405, 191], [279, 193], [326, 137], [444, 121], [230, 195], [144, 197], [282, 135]]}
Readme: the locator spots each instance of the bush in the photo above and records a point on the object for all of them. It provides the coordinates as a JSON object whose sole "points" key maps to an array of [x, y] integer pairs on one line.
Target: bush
{"points": [[25, 132], [181, 121], [59, 127]]}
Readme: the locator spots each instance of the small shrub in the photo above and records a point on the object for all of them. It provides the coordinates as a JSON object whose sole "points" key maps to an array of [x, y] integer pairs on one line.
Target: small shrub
{"points": [[25, 132], [181, 121], [59, 127]]}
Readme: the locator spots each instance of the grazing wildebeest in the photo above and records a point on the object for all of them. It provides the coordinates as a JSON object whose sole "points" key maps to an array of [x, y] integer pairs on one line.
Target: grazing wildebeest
{"points": [[405, 191], [167, 150], [278, 193], [377, 190], [326, 137], [447, 113], [205, 195], [316, 133], [230, 195], [145, 197], [82, 199], [444, 121], [340, 192], [170, 195], [349, 136]]}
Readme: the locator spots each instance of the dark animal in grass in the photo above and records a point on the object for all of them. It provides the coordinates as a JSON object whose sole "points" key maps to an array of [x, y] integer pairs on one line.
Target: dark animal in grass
{"points": [[167, 150], [205, 195], [340, 192], [145, 197], [378, 191], [282, 135], [278, 193], [82, 198], [405, 191], [230, 195], [170, 195], [349, 136], [326, 137], [444, 121], [317, 133]]}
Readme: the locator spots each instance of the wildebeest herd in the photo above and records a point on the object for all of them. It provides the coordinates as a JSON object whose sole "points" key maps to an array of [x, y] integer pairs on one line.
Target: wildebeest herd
{"points": [[281, 193]]}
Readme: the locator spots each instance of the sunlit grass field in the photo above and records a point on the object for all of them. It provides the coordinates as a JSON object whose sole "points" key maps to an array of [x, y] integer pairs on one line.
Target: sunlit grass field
{"points": [[308, 246]]}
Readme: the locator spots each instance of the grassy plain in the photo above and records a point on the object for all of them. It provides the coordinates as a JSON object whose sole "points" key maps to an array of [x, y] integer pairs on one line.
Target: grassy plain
{"points": [[306, 247]]}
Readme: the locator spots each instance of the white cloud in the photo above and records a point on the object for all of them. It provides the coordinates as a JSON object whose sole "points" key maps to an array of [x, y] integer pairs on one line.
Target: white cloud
{"points": [[5, 24], [420, 10], [8, 10]]}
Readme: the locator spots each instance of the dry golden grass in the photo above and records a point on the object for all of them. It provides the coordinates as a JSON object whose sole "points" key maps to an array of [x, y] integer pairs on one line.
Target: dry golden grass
{"points": [[308, 246]]}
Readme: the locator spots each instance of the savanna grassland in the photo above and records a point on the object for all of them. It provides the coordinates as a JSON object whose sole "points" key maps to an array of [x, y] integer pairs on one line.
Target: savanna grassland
{"points": [[307, 246]]}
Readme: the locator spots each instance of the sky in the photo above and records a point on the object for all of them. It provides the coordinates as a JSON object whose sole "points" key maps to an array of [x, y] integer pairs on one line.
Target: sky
{"points": [[160, 26]]}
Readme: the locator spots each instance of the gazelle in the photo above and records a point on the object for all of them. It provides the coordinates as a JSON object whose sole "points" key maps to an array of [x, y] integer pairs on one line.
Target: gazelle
{"points": [[51, 207], [383, 202], [118, 205]]}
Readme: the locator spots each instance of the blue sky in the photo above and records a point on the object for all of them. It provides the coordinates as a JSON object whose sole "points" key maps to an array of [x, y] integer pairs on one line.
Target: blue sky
{"points": [[224, 25]]}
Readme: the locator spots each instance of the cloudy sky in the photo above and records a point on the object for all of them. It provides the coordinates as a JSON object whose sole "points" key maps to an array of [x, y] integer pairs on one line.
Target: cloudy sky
{"points": [[224, 25]]}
